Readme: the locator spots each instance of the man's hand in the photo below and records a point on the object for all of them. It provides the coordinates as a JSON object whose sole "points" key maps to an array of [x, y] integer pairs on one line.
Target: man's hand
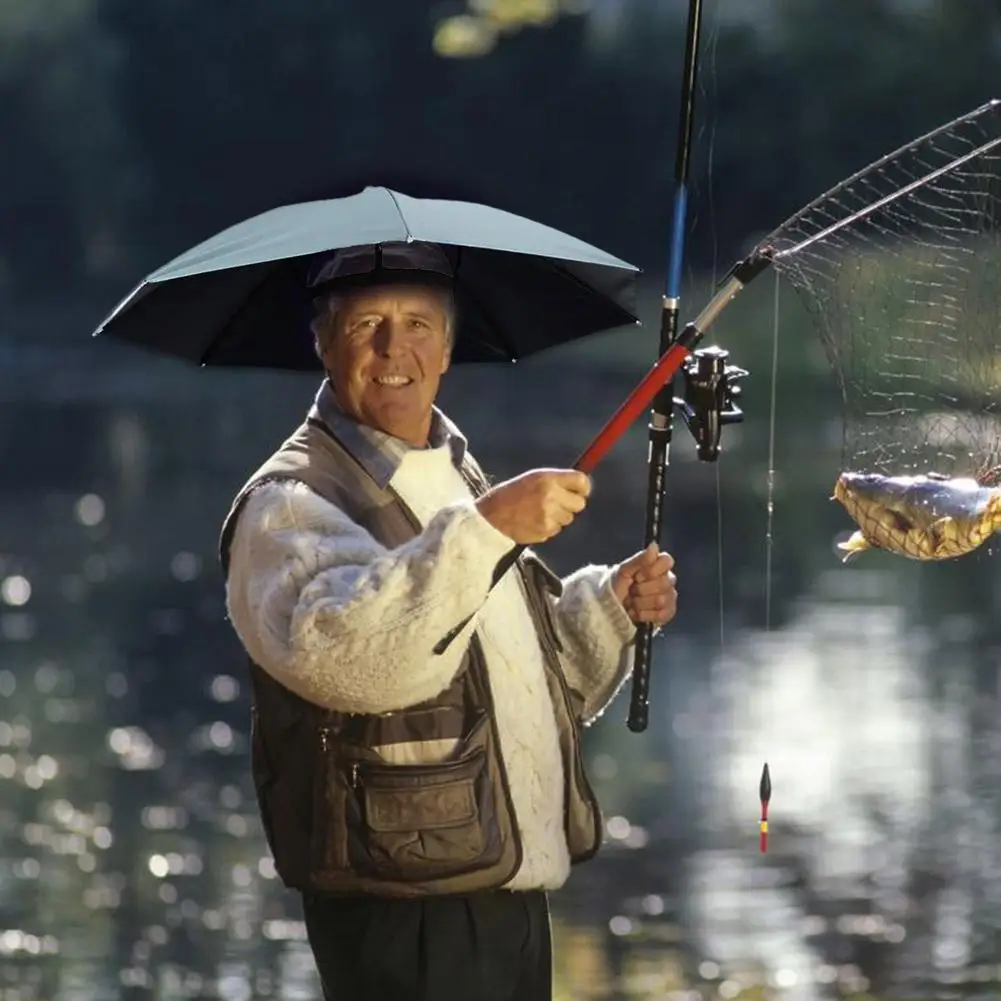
{"points": [[646, 586], [537, 505]]}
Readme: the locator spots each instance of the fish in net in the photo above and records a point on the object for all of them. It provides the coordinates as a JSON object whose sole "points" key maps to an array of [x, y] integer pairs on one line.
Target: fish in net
{"points": [[900, 267]]}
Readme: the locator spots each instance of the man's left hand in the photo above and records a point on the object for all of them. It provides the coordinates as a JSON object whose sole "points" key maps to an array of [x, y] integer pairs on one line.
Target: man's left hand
{"points": [[646, 586]]}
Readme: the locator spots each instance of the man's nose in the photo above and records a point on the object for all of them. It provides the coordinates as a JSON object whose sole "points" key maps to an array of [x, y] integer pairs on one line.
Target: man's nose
{"points": [[389, 337]]}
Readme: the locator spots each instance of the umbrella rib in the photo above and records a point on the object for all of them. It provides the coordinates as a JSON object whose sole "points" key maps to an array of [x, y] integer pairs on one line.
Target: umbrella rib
{"points": [[399, 211]]}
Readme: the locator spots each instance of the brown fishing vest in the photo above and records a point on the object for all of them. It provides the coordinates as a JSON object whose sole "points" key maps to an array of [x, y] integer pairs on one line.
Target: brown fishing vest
{"points": [[338, 817]]}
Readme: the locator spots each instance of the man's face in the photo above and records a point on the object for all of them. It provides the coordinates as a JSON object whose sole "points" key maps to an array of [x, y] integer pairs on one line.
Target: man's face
{"points": [[386, 356]]}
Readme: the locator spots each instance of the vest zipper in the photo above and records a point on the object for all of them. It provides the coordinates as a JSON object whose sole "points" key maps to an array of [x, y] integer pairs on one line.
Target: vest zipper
{"points": [[428, 768], [325, 745]]}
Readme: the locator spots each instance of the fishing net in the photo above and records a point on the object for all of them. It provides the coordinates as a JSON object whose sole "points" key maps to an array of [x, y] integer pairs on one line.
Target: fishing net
{"points": [[900, 267]]}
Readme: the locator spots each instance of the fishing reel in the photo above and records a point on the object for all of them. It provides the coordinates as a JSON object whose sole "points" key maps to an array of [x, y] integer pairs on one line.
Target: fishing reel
{"points": [[709, 398]]}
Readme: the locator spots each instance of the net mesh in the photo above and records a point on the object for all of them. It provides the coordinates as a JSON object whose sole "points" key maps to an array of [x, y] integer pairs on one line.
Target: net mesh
{"points": [[900, 266]]}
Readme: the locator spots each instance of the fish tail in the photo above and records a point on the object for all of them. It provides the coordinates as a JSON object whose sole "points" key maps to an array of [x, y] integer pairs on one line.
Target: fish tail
{"points": [[856, 543]]}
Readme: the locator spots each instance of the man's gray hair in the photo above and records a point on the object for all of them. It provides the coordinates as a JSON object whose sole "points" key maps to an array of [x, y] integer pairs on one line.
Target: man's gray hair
{"points": [[328, 308]]}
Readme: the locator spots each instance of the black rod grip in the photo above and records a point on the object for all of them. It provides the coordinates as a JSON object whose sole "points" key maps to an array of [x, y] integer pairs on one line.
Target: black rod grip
{"points": [[639, 703]]}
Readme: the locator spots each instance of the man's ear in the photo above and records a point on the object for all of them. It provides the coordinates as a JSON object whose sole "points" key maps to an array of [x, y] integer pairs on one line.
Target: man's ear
{"points": [[446, 360]]}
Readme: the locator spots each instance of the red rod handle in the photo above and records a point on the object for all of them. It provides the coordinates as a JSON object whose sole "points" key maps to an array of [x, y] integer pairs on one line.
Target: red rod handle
{"points": [[638, 400]]}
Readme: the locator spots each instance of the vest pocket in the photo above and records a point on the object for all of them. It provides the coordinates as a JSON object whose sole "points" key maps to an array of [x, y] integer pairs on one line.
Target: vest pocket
{"points": [[415, 822]]}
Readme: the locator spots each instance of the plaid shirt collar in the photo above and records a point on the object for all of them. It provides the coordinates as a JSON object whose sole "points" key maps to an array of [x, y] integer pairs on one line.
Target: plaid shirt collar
{"points": [[380, 454]]}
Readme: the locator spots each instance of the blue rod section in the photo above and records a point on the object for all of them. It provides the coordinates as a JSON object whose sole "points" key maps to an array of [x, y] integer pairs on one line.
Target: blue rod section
{"points": [[676, 259]]}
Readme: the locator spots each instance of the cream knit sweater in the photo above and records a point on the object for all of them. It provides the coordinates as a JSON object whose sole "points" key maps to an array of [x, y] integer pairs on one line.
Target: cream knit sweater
{"points": [[350, 625]]}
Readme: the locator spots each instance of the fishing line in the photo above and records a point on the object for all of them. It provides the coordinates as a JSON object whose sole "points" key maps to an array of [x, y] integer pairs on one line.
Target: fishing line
{"points": [[765, 785], [712, 76], [708, 94], [717, 681], [770, 501], [720, 563]]}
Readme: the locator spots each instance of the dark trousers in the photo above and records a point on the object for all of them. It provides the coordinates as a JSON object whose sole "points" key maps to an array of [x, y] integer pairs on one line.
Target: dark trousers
{"points": [[492, 946]]}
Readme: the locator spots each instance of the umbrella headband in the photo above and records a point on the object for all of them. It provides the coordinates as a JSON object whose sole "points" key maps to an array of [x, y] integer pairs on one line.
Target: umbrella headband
{"points": [[379, 262]]}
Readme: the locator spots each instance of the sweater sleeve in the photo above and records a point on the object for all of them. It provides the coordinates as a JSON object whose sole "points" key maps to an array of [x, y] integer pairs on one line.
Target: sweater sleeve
{"points": [[597, 636], [339, 619]]}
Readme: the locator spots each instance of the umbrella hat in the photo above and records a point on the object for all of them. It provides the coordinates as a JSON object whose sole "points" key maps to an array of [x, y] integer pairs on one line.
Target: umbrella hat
{"points": [[243, 296]]}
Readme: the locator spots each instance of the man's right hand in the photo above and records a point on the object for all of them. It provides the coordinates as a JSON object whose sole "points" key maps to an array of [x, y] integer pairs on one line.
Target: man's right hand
{"points": [[537, 505]]}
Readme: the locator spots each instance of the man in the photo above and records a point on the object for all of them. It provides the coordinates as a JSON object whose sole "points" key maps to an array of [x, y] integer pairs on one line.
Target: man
{"points": [[422, 799]]}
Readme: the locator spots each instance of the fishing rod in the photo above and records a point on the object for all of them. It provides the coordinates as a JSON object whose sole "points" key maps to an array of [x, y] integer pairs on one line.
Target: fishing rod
{"points": [[661, 419], [709, 393]]}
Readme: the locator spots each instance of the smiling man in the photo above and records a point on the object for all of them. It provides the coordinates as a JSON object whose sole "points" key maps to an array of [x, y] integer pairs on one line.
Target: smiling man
{"points": [[422, 802]]}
